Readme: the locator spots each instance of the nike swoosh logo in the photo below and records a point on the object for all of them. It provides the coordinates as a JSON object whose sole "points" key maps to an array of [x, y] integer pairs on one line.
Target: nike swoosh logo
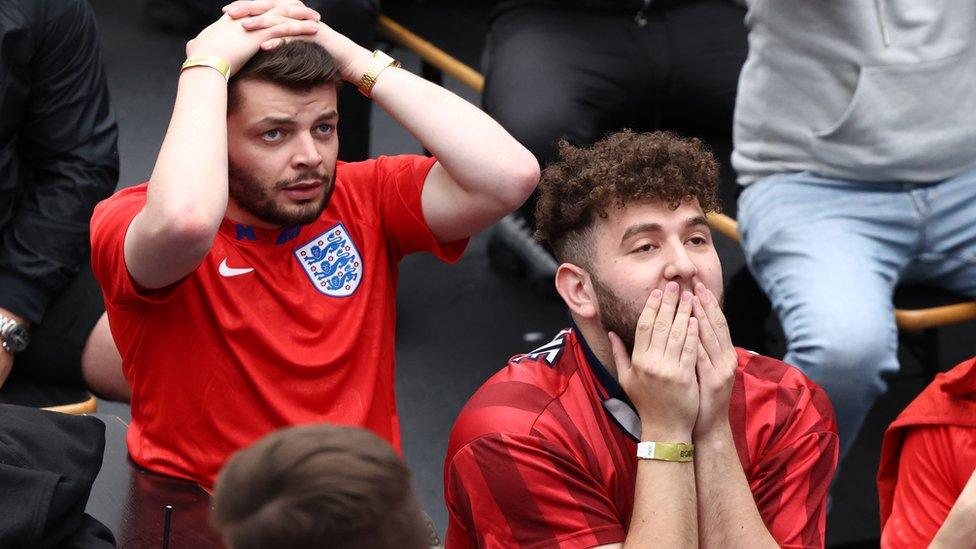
{"points": [[224, 270]]}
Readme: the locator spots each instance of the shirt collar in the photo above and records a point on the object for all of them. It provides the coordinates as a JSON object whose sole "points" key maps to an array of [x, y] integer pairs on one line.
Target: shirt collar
{"points": [[239, 231], [616, 403]]}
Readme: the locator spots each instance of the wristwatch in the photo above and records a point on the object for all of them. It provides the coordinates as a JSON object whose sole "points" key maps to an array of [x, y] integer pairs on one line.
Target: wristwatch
{"points": [[14, 336]]}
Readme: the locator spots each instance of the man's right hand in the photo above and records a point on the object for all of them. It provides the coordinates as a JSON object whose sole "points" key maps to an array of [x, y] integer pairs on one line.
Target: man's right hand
{"points": [[233, 42], [659, 377]]}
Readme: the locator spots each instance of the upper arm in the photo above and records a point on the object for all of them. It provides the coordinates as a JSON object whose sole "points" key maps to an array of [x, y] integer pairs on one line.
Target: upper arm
{"points": [[454, 213], [524, 491], [401, 182], [927, 486]]}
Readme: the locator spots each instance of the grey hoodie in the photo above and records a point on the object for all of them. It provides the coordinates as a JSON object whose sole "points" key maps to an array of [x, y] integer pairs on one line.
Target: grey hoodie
{"points": [[865, 90]]}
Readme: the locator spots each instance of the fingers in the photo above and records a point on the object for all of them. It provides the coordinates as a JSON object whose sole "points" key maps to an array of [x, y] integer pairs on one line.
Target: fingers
{"points": [[703, 366], [289, 27], [716, 318], [621, 359], [247, 8], [689, 349], [707, 334], [679, 329], [276, 17], [646, 321], [665, 319]]}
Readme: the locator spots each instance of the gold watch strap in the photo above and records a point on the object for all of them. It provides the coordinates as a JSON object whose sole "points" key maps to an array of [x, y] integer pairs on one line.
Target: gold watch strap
{"points": [[377, 65], [666, 451], [207, 60]]}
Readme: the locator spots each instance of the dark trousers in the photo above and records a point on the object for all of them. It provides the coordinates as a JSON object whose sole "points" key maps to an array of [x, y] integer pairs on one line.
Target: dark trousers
{"points": [[557, 72]]}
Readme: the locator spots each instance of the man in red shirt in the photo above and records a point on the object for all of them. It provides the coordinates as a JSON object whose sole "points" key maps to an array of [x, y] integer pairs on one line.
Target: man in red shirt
{"points": [[250, 284], [927, 476], [641, 425]]}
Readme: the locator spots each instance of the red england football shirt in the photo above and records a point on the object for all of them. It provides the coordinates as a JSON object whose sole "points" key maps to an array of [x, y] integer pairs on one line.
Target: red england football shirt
{"points": [[273, 328], [544, 453]]}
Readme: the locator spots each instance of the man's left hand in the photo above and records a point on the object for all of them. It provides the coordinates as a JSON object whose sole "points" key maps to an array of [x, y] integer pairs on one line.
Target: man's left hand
{"points": [[716, 366], [350, 58]]}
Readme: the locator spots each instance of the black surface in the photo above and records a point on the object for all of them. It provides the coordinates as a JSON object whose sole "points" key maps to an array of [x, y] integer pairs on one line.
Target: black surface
{"points": [[41, 395], [131, 502]]}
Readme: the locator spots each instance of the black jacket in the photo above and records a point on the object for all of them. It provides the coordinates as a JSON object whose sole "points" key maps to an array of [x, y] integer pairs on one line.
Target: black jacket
{"points": [[48, 462], [58, 154]]}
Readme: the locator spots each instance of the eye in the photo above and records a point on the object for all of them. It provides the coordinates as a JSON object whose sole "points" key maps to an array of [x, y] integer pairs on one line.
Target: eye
{"points": [[324, 129], [644, 248], [273, 135], [698, 241]]}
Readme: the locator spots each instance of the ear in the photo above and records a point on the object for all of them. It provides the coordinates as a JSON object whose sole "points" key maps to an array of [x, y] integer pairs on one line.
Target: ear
{"points": [[574, 286]]}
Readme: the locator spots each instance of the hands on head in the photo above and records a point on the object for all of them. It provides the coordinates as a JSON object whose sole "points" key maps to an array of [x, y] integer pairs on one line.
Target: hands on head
{"points": [[680, 373], [248, 26]]}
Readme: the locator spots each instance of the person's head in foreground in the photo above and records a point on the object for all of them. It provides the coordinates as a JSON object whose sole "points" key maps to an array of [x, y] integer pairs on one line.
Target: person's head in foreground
{"points": [[318, 486], [281, 136], [625, 217]]}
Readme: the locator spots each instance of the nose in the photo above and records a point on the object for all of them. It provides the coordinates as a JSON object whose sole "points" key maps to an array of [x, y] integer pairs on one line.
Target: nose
{"points": [[679, 266], [307, 155]]}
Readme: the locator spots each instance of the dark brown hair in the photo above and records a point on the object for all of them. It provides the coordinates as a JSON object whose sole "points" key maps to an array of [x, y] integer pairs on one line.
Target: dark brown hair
{"points": [[297, 65], [318, 486], [620, 169]]}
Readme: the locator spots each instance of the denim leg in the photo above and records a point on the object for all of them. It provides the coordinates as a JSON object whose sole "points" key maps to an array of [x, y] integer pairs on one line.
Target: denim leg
{"points": [[947, 256], [828, 254]]}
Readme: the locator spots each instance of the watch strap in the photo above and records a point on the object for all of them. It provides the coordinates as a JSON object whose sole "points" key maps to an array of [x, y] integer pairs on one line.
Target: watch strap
{"points": [[377, 65]]}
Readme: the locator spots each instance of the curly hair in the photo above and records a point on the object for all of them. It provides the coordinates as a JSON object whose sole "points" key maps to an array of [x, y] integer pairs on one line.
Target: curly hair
{"points": [[620, 169]]}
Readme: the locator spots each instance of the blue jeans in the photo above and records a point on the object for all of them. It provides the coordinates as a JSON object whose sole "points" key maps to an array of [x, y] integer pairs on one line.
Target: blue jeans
{"points": [[829, 254]]}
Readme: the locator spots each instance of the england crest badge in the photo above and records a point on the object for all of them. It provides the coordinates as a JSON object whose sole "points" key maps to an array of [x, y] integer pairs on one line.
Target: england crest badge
{"points": [[332, 262]]}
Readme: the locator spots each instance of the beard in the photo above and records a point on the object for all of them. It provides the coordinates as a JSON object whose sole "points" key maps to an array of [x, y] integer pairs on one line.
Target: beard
{"points": [[258, 199], [616, 315]]}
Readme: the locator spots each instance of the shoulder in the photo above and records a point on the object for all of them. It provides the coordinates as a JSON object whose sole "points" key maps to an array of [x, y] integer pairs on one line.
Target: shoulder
{"points": [[779, 400], [123, 199], [513, 399]]}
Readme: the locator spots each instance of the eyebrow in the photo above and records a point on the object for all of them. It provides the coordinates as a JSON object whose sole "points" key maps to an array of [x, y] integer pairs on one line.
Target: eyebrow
{"points": [[696, 221], [330, 114]]}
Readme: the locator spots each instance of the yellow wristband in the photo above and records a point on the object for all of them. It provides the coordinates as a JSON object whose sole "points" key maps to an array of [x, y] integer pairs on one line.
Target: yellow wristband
{"points": [[666, 451], [207, 60]]}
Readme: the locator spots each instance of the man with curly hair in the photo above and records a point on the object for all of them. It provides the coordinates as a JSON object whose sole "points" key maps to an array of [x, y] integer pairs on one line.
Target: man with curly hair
{"points": [[641, 424]]}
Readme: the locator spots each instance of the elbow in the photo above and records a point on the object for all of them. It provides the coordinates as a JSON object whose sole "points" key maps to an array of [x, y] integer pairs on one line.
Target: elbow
{"points": [[185, 230], [524, 179]]}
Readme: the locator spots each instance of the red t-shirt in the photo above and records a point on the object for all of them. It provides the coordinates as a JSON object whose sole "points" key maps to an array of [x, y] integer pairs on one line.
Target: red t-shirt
{"points": [[544, 453], [928, 455], [273, 328]]}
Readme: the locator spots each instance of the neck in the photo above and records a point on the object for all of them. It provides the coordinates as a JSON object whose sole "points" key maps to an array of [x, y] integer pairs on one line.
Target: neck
{"points": [[596, 337], [243, 217]]}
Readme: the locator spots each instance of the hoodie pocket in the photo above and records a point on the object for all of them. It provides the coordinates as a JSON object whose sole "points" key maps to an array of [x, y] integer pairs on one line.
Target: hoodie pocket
{"points": [[907, 122]]}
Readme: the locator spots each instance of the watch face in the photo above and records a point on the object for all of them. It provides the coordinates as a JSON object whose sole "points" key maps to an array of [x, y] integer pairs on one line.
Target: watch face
{"points": [[17, 339]]}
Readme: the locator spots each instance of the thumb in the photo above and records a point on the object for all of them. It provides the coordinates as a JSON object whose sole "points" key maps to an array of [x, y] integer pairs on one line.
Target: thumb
{"points": [[621, 358]]}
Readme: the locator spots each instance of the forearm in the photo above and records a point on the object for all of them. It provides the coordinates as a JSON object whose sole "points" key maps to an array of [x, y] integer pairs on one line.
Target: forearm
{"points": [[665, 510], [728, 516], [478, 154], [189, 181], [187, 195], [959, 528]]}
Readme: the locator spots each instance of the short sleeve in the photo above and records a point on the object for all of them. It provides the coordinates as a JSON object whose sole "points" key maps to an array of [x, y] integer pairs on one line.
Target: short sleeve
{"points": [[109, 224], [401, 180], [524, 491], [933, 468]]}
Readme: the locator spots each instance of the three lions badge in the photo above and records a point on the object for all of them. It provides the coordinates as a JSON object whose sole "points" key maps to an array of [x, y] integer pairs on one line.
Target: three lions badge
{"points": [[332, 262]]}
